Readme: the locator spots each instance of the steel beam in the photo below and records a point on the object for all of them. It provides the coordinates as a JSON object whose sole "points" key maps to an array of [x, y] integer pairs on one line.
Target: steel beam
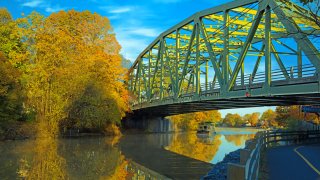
{"points": [[244, 50], [187, 58], [299, 61], [280, 63], [211, 54], [267, 48], [256, 66], [225, 61], [197, 59], [292, 28]]}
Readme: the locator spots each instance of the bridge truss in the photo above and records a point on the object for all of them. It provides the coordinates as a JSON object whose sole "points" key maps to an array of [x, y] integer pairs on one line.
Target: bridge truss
{"points": [[245, 53]]}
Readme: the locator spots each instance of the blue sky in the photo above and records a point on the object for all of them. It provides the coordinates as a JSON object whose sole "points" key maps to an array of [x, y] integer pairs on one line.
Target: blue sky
{"points": [[136, 22]]}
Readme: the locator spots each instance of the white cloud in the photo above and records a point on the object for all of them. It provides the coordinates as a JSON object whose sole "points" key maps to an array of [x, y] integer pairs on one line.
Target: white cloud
{"points": [[167, 1], [117, 9], [43, 5], [131, 47], [134, 40], [114, 17], [32, 4], [55, 9], [120, 10], [148, 32]]}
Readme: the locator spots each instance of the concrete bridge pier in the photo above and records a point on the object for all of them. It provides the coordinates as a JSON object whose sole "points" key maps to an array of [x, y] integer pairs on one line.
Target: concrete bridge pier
{"points": [[148, 124]]}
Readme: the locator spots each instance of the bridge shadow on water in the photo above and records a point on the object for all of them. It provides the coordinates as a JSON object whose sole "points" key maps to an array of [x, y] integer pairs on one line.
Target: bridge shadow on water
{"points": [[149, 151]]}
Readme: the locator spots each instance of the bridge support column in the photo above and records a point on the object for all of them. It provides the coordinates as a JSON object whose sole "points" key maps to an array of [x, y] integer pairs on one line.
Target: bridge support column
{"points": [[148, 124]]}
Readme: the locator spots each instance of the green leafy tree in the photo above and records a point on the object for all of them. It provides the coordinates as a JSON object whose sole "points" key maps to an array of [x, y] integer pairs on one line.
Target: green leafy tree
{"points": [[94, 110]]}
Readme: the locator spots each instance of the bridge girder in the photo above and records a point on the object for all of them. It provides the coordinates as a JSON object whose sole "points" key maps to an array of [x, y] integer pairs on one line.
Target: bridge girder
{"points": [[206, 54]]}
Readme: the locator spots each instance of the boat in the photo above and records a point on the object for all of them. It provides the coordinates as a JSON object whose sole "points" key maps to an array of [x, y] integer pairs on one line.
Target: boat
{"points": [[206, 128]]}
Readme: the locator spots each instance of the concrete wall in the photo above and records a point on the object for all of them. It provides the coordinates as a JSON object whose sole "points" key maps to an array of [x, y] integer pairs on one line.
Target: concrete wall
{"points": [[148, 124]]}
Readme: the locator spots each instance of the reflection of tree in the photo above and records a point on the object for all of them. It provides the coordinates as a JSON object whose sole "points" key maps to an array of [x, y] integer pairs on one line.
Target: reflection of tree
{"points": [[46, 163], [238, 139], [86, 158], [192, 146], [120, 171], [92, 158], [12, 152]]}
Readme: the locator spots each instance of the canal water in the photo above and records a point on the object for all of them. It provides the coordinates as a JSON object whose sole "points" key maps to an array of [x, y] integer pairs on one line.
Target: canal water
{"points": [[139, 156]]}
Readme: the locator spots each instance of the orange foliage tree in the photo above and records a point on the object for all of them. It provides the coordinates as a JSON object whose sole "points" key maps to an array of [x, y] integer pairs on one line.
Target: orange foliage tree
{"points": [[190, 121], [73, 70], [287, 114], [268, 118]]}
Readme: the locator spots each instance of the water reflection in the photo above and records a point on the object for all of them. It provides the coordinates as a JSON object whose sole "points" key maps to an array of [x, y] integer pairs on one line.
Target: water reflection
{"points": [[191, 145], [238, 139], [231, 140], [149, 151], [88, 158], [92, 158], [144, 156], [210, 148], [46, 164], [139, 172]]}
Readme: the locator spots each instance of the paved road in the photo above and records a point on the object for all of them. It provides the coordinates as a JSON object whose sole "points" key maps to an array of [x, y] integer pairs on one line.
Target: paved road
{"points": [[294, 162]]}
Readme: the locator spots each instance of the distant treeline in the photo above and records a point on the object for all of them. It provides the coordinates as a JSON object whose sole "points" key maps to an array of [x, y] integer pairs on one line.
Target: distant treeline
{"points": [[283, 116]]}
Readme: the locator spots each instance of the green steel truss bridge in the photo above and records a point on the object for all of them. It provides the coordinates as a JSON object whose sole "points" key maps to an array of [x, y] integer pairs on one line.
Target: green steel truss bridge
{"points": [[246, 53]]}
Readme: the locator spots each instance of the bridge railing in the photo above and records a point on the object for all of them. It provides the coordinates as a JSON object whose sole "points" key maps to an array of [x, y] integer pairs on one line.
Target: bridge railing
{"points": [[308, 70], [248, 81], [249, 166]]}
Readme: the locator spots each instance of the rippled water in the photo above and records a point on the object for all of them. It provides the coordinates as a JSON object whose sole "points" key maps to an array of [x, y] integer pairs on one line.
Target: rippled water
{"points": [[141, 156]]}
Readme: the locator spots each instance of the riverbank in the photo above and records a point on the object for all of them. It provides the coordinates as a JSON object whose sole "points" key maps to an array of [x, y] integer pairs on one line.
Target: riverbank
{"points": [[17, 131], [219, 171], [26, 132]]}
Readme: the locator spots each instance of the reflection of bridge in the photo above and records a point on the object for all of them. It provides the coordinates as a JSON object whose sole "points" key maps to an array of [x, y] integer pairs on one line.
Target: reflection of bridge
{"points": [[211, 60], [148, 151]]}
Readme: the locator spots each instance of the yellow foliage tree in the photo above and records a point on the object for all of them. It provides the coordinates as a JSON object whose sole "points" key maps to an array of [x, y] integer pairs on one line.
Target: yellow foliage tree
{"points": [[71, 52], [252, 118], [233, 120], [269, 118], [190, 121]]}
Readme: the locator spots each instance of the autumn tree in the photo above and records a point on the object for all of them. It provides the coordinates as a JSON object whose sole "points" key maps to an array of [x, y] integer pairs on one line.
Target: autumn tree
{"points": [[11, 93], [73, 60], [233, 120], [190, 121], [268, 118], [252, 118], [286, 114]]}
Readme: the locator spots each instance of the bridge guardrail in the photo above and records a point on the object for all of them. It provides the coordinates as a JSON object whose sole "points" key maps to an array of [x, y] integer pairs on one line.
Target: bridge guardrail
{"points": [[249, 166], [248, 81]]}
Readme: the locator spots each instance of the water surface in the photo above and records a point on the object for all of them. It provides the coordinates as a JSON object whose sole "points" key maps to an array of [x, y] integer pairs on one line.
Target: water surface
{"points": [[140, 156]]}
